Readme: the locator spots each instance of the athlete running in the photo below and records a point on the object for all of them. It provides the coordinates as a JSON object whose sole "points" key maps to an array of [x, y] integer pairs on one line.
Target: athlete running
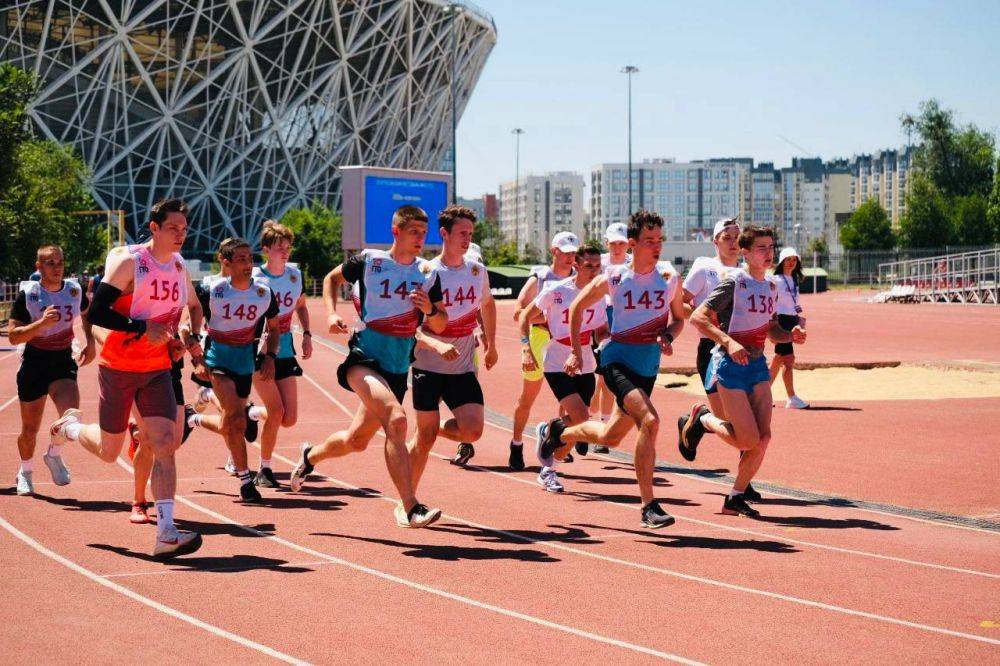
{"points": [[739, 315], [279, 395], [444, 365], [140, 300], [648, 315], [42, 319], [564, 246], [572, 391], [394, 291]]}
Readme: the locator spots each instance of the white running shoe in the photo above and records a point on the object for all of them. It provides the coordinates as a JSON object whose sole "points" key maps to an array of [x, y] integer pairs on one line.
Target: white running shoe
{"points": [[549, 480], [795, 402], [421, 516], [60, 473], [257, 413], [175, 543], [302, 469], [203, 398], [230, 467], [24, 483], [57, 431]]}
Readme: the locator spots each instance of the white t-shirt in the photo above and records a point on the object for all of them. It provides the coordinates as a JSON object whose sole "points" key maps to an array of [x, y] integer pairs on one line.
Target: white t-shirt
{"points": [[554, 301], [704, 277], [788, 295]]}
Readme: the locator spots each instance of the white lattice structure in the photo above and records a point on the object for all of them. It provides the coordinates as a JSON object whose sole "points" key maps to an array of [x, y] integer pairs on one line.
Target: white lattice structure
{"points": [[244, 109]]}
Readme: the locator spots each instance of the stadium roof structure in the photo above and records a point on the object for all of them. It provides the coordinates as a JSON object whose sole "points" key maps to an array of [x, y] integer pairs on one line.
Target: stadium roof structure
{"points": [[244, 109]]}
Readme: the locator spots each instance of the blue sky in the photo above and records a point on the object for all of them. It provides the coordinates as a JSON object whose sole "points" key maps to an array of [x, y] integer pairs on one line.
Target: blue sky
{"points": [[719, 79]]}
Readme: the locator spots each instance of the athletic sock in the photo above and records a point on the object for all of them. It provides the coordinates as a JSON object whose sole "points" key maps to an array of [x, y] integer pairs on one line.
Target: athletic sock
{"points": [[72, 431], [256, 413], [513, 443], [164, 518], [265, 463], [207, 394], [55, 450], [244, 475], [194, 420], [734, 493], [706, 420], [27, 465]]}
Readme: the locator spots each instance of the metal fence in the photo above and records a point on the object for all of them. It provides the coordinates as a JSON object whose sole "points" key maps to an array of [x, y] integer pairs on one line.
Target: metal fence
{"points": [[964, 277], [862, 267]]}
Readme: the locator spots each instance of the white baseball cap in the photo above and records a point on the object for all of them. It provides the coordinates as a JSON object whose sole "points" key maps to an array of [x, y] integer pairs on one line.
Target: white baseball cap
{"points": [[721, 225], [475, 253], [566, 241], [617, 232], [786, 253]]}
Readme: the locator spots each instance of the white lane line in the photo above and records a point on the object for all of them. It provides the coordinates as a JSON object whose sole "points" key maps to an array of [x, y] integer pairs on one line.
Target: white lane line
{"points": [[156, 605], [730, 528], [426, 588], [8, 404], [677, 574], [328, 345]]}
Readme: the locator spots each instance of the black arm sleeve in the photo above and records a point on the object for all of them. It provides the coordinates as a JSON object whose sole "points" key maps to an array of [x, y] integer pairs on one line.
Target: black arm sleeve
{"points": [[354, 268], [434, 293], [19, 311], [84, 302], [273, 308], [102, 314], [204, 297]]}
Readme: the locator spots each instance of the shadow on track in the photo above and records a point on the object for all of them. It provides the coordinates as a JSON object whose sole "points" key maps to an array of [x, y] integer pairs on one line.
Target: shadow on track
{"points": [[560, 534], [449, 553], [671, 540], [220, 564]]}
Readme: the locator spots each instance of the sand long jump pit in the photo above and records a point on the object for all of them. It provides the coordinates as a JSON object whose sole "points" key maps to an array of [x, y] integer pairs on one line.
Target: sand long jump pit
{"points": [[891, 381]]}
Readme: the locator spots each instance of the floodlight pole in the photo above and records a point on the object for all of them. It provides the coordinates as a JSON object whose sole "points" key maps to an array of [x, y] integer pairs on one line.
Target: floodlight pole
{"points": [[629, 70], [517, 132]]}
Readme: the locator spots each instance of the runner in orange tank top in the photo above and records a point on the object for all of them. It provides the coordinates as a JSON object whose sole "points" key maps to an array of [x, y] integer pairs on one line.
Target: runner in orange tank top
{"points": [[140, 301]]}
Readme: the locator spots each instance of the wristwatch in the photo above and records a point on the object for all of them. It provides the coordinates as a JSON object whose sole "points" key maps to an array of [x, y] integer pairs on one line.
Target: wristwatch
{"points": [[306, 334], [670, 338], [525, 341]]}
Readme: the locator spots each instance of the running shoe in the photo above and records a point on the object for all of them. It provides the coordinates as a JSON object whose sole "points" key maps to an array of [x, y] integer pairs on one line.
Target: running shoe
{"points": [[466, 452], [600, 448], [265, 478], [251, 429], [188, 413], [737, 506], [692, 431], [553, 431], [302, 470], [133, 439], [418, 516], [60, 473], [581, 448], [516, 459], [25, 486], [139, 515], [569, 458], [654, 516], [549, 480], [178, 542], [751, 495], [230, 467], [795, 402], [202, 399], [249, 493], [686, 453], [57, 431]]}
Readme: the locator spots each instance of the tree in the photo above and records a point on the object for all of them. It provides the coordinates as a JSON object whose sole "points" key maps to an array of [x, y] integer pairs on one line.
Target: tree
{"points": [[41, 185], [972, 225], [957, 160], [318, 232], [868, 228], [993, 207], [819, 246], [926, 222], [503, 254]]}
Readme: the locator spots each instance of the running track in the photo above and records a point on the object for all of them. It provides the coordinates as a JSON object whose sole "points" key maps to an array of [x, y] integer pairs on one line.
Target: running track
{"points": [[511, 574]]}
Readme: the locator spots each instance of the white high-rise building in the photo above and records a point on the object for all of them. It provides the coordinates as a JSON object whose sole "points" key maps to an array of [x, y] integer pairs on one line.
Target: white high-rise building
{"points": [[535, 208]]}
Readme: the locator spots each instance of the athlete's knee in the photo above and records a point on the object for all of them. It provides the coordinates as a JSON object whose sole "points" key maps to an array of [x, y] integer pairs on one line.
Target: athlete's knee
{"points": [[29, 430], [426, 434], [747, 441], [395, 425], [357, 441], [470, 431], [289, 418], [765, 439], [108, 453], [649, 424], [236, 425], [276, 414]]}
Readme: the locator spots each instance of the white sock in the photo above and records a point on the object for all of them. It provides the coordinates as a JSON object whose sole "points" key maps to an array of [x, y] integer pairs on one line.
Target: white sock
{"points": [[706, 419], [27, 465], [265, 463], [513, 443], [205, 394], [256, 413], [55, 450], [244, 475], [605, 418], [194, 420], [164, 517], [72, 431], [734, 493]]}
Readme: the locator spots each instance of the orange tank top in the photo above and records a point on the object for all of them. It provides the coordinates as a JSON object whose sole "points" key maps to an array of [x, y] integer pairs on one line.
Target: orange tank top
{"points": [[159, 293]]}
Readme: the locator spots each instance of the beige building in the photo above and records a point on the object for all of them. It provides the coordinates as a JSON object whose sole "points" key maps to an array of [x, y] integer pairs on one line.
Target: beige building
{"points": [[837, 202], [535, 208], [884, 176]]}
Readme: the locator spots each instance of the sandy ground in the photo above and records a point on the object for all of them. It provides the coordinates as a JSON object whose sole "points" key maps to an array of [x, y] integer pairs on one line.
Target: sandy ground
{"points": [[906, 382]]}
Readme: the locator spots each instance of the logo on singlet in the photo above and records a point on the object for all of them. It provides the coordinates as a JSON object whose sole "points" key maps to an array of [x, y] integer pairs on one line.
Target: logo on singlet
{"points": [[74, 292], [558, 298], [178, 266], [33, 297], [219, 291], [743, 283], [260, 291], [376, 265], [143, 268], [293, 278], [475, 271], [616, 280]]}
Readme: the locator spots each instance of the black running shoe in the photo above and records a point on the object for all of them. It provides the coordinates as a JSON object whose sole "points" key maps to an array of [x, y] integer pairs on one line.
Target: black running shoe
{"points": [[568, 459], [188, 412], [601, 449], [516, 459], [552, 438], [692, 430], [265, 478], [249, 493], [654, 516], [466, 452], [737, 506], [250, 430], [751, 495], [581, 448], [686, 453]]}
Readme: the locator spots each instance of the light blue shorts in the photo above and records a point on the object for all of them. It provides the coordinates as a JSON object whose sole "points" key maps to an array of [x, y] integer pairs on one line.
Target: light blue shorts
{"points": [[733, 376]]}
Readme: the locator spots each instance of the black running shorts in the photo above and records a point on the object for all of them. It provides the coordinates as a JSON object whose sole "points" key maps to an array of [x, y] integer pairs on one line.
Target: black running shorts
{"points": [[430, 388], [787, 322], [622, 380], [396, 382], [241, 382], [39, 368], [564, 385]]}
